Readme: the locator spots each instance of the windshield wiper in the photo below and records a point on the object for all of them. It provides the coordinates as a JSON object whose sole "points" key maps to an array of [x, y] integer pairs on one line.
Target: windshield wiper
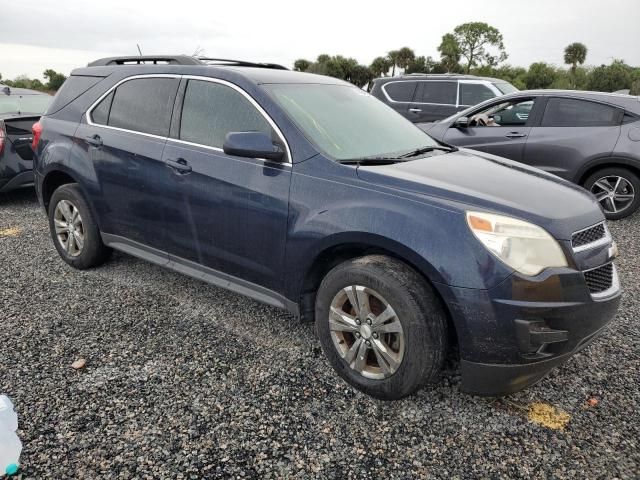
{"points": [[430, 148], [371, 160]]}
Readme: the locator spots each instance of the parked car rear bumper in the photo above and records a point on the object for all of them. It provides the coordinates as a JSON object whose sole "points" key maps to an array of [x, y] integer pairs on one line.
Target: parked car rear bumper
{"points": [[22, 179], [511, 336]]}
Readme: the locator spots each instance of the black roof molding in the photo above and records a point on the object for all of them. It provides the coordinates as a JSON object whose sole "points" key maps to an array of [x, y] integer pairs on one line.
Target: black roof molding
{"points": [[179, 60]]}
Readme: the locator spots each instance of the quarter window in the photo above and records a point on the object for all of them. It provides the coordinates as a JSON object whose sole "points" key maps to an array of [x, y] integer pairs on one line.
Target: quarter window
{"points": [[571, 112], [474, 93], [142, 105], [439, 92], [211, 110], [400, 91]]}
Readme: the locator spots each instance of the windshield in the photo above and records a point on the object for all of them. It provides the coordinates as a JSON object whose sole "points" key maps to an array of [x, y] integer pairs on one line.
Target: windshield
{"points": [[346, 122], [24, 103], [505, 87]]}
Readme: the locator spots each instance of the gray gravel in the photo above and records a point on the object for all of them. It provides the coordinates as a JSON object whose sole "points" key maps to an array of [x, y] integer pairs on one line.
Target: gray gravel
{"points": [[184, 380]]}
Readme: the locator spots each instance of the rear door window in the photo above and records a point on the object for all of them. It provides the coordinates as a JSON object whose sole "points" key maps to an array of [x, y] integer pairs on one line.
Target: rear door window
{"points": [[571, 112], [400, 91], [474, 93], [142, 105], [211, 110], [438, 92]]}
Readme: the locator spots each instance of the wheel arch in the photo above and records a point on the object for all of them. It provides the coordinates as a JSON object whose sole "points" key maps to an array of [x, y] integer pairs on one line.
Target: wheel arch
{"points": [[607, 162], [346, 247]]}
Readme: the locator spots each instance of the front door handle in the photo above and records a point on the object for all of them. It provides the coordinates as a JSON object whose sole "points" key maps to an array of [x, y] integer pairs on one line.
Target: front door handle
{"points": [[415, 110], [516, 135], [180, 165], [94, 141]]}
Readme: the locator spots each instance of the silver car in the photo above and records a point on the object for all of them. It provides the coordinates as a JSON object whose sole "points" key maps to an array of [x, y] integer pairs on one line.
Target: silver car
{"points": [[589, 138]]}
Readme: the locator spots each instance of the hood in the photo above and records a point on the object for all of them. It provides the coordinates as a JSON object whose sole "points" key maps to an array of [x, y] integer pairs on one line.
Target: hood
{"points": [[475, 180]]}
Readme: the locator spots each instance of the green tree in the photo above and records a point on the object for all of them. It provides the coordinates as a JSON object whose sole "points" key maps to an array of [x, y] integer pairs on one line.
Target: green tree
{"points": [[380, 66], [609, 78], [474, 38], [449, 52], [301, 65], [635, 88], [405, 57], [393, 60], [540, 75], [55, 79], [360, 75], [418, 65], [575, 54]]}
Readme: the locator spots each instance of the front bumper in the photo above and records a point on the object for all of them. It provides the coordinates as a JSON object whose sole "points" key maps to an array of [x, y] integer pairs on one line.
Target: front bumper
{"points": [[512, 335]]}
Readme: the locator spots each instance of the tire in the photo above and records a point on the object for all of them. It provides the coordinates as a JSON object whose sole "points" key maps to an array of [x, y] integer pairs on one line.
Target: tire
{"points": [[597, 182], [88, 253], [417, 309]]}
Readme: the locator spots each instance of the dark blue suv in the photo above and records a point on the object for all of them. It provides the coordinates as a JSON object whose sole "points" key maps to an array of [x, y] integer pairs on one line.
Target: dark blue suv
{"points": [[306, 193]]}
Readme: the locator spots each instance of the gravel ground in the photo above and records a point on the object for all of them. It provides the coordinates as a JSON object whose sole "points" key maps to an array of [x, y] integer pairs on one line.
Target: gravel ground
{"points": [[185, 380]]}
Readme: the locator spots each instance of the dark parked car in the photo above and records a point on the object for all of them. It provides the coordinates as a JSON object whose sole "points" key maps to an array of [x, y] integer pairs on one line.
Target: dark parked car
{"points": [[306, 193], [589, 138], [429, 97], [20, 108]]}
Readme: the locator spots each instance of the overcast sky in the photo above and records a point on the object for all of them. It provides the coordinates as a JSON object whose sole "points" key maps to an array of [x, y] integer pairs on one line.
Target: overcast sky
{"points": [[69, 33]]}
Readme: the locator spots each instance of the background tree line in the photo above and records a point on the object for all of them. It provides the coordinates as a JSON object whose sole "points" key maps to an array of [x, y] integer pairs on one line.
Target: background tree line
{"points": [[54, 81], [478, 48]]}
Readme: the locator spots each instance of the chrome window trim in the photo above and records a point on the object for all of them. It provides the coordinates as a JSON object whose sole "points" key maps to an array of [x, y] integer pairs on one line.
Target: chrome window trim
{"points": [[598, 243], [615, 283], [167, 138]]}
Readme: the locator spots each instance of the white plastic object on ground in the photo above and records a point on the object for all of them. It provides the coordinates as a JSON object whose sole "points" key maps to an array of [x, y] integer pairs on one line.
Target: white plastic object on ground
{"points": [[10, 445]]}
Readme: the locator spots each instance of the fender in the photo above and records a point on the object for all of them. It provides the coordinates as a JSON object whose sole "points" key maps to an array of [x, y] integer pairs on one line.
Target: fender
{"points": [[604, 162]]}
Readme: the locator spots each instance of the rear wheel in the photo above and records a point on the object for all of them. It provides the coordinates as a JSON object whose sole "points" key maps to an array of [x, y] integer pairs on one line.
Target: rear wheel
{"points": [[617, 189], [73, 229], [381, 326]]}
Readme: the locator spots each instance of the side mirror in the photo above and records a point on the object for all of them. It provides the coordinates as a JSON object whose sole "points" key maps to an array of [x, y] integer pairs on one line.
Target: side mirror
{"points": [[252, 145], [461, 122]]}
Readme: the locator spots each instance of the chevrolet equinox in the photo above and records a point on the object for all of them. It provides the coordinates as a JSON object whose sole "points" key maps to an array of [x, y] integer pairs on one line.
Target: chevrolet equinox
{"points": [[306, 193]]}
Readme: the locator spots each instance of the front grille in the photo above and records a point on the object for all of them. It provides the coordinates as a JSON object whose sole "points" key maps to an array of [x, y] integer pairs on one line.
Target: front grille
{"points": [[590, 235], [599, 279]]}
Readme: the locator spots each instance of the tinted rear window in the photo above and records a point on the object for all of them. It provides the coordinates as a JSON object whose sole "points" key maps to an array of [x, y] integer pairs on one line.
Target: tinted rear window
{"points": [[474, 93], [400, 91], [211, 110], [144, 105], [571, 112], [72, 88], [439, 92]]}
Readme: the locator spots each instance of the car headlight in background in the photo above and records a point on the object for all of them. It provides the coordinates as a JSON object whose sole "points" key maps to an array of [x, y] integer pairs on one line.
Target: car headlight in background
{"points": [[523, 246]]}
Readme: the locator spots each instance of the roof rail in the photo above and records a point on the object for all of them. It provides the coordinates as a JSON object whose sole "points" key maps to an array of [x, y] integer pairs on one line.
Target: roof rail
{"points": [[146, 60], [239, 63], [179, 60]]}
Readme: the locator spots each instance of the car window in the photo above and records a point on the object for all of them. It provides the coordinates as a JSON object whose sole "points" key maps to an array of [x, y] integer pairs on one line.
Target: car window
{"points": [[100, 114], [504, 114], [438, 92], [24, 103], [72, 88], [143, 105], [474, 93], [571, 112], [505, 87], [211, 110], [400, 91]]}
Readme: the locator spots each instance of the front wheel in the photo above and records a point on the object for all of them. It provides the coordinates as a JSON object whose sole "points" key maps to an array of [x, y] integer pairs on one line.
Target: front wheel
{"points": [[617, 189], [381, 326]]}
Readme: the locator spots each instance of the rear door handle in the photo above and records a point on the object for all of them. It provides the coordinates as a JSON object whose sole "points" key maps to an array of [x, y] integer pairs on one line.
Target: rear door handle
{"points": [[180, 165], [516, 135], [415, 110], [95, 140]]}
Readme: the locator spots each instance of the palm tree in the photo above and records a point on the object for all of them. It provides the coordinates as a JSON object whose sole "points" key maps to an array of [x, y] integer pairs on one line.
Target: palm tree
{"points": [[405, 57], [393, 60], [575, 54], [380, 66]]}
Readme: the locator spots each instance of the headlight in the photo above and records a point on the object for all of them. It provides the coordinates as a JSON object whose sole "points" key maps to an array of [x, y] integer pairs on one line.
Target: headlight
{"points": [[523, 246]]}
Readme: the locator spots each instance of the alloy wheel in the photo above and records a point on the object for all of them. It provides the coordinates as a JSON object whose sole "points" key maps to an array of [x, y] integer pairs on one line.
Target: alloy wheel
{"points": [[69, 228], [614, 193], [366, 332]]}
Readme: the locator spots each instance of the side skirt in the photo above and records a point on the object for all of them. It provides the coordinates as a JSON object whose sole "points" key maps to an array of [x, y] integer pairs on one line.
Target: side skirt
{"points": [[200, 272]]}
